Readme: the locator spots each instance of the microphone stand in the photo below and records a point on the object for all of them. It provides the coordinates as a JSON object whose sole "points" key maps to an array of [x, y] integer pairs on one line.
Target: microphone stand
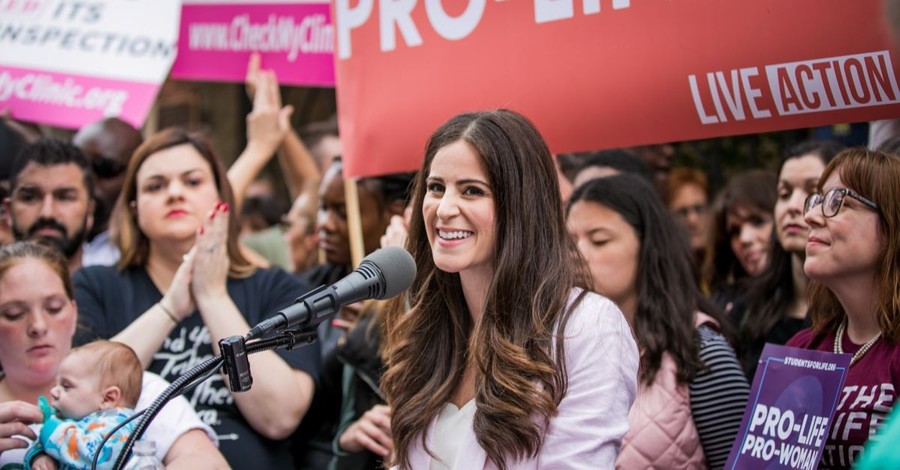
{"points": [[234, 357]]}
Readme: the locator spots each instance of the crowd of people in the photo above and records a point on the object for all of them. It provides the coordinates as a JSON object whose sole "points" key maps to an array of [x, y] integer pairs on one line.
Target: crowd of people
{"points": [[618, 325]]}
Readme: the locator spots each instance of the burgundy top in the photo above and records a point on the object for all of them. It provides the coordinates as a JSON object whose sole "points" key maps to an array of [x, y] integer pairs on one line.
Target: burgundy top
{"points": [[868, 396]]}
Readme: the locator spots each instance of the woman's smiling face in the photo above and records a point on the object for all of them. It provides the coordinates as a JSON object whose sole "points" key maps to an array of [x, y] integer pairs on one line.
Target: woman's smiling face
{"points": [[458, 211]]}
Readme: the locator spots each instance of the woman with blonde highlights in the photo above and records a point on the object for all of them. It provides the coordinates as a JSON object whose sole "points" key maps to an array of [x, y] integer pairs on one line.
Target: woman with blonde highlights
{"points": [[853, 262], [503, 359]]}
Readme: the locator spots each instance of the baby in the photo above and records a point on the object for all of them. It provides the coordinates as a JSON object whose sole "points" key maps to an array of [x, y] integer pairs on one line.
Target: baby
{"points": [[97, 388]]}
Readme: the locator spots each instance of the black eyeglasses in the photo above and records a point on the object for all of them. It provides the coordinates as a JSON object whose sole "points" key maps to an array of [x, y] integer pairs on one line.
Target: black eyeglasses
{"points": [[105, 168], [833, 200]]}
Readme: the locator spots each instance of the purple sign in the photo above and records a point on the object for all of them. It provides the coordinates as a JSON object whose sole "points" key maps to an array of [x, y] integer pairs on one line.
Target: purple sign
{"points": [[792, 401], [295, 39]]}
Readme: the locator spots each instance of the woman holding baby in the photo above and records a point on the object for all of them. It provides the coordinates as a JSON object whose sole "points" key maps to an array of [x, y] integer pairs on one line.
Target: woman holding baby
{"points": [[37, 323]]}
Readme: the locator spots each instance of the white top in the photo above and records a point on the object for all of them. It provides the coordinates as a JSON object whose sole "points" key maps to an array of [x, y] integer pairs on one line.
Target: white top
{"points": [[100, 251], [451, 425], [601, 360], [175, 419]]}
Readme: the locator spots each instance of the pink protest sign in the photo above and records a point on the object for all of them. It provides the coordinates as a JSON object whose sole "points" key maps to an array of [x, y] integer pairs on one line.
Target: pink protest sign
{"points": [[71, 63], [68, 100], [295, 39]]}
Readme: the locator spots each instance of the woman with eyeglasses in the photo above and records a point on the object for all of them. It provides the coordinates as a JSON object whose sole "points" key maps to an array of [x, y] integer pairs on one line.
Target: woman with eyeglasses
{"points": [[853, 262], [687, 197], [775, 306]]}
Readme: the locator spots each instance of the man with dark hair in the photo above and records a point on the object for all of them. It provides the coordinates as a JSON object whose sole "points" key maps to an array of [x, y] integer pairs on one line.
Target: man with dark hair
{"points": [[108, 145], [50, 197]]}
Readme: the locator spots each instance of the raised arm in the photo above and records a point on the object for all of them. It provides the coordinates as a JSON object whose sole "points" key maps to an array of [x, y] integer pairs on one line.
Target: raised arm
{"points": [[267, 125], [301, 173], [298, 167]]}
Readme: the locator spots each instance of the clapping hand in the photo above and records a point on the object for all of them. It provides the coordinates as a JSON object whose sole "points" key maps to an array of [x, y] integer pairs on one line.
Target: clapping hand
{"points": [[211, 261], [178, 298]]}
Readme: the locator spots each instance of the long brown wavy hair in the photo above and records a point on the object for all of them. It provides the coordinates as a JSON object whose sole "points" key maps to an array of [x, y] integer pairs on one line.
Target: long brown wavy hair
{"points": [[134, 245], [875, 176], [521, 377]]}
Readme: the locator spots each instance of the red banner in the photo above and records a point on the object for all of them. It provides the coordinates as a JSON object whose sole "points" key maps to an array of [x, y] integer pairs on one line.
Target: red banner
{"points": [[596, 74]]}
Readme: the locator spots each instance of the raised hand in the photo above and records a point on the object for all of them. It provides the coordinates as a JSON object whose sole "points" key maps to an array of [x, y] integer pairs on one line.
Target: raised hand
{"points": [[268, 122], [250, 81], [178, 299], [211, 262], [396, 233]]}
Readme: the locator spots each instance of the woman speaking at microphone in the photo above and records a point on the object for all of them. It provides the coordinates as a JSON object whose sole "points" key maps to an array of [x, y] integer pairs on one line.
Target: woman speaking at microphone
{"points": [[182, 285], [503, 359]]}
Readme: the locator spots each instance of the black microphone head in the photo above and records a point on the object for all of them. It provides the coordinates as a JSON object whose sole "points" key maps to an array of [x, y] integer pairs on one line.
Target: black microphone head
{"points": [[397, 267]]}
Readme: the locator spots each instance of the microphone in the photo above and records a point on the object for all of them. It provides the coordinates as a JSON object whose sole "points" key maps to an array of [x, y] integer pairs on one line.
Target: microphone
{"points": [[381, 275]]}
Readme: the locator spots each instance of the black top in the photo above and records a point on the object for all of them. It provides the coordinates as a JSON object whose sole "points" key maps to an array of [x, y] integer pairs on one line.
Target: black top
{"points": [[109, 300], [361, 390], [780, 333], [718, 396], [312, 442]]}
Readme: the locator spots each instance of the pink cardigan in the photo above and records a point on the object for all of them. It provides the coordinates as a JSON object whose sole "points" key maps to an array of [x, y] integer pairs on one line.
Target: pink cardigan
{"points": [[663, 433], [602, 363]]}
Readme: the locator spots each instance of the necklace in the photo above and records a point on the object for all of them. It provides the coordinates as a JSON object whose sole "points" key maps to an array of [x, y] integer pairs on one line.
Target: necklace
{"points": [[862, 350]]}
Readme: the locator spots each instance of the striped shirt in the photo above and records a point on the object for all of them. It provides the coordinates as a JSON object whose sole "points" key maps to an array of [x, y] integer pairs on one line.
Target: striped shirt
{"points": [[718, 396]]}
